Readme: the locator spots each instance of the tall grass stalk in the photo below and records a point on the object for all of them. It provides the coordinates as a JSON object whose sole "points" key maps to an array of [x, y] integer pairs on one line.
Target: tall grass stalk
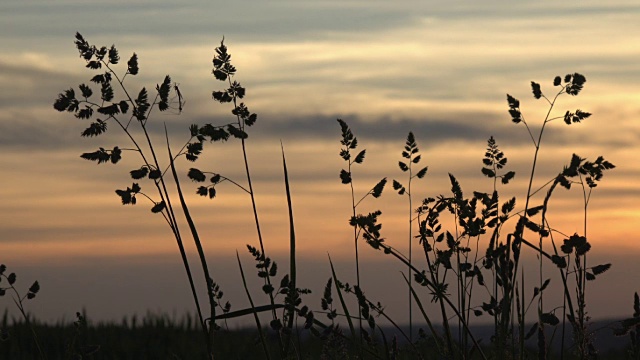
{"points": [[103, 57], [526, 208], [349, 143], [411, 153], [223, 70]]}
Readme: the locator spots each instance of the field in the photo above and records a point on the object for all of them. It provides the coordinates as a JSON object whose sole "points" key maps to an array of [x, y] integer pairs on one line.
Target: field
{"points": [[163, 337]]}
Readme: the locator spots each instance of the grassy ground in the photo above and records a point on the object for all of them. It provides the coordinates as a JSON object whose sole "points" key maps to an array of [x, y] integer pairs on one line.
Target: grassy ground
{"points": [[160, 337]]}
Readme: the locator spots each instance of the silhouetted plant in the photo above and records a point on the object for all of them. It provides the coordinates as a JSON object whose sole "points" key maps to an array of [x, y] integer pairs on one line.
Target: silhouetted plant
{"points": [[78, 347], [572, 85], [411, 153], [116, 111], [349, 143], [477, 253], [631, 327], [19, 300], [481, 214]]}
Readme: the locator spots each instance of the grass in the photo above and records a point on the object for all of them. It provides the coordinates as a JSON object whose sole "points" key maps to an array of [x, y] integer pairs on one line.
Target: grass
{"points": [[472, 244], [158, 336]]}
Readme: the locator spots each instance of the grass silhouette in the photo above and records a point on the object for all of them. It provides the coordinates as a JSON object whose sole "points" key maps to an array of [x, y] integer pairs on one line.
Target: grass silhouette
{"points": [[474, 267]]}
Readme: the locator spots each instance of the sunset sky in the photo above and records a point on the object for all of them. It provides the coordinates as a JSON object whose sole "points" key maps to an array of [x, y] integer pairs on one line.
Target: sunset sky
{"points": [[439, 69]]}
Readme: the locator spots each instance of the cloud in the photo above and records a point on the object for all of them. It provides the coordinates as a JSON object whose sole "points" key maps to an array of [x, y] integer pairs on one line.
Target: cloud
{"points": [[441, 72], [246, 20]]}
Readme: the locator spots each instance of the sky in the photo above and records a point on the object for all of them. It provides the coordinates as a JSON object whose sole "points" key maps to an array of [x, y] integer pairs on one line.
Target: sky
{"points": [[439, 69]]}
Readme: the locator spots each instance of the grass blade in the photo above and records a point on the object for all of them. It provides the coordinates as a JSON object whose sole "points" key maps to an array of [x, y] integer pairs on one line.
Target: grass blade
{"points": [[385, 343], [292, 254], [434, 333], [253, 308], [394, 324], [247, 311], [342, 303], [196, 238]]}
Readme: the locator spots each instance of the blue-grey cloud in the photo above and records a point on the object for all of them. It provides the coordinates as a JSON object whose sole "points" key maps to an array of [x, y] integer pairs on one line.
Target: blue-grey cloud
{"points": [[248, 20], [61, 132], [260, 20]]}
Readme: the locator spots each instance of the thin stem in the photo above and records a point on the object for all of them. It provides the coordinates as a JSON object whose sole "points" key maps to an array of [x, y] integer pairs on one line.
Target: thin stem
{"points": [[528, 198], [255, 314], [410, 248], [355, 243], [196, 239], [267, 278], [424, 315], [390, 250], [381, 312], [443, 311], [26, 319]]}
